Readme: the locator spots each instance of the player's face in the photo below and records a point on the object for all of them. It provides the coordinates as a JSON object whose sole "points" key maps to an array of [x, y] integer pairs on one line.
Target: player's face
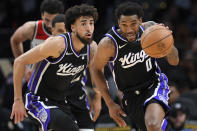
{"points": [[178, 122], [47, 18], [58, 28], [84, 28], [129, 26]]}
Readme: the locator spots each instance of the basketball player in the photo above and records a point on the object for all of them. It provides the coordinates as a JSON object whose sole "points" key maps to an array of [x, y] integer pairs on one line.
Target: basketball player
{"points": [[137, 75], [36, 31], [60, 62], [77, 99], [58, 26]]}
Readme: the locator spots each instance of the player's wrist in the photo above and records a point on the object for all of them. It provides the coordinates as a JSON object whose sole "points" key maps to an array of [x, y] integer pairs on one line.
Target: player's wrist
{"points": [[109, 102], [17, 99]]}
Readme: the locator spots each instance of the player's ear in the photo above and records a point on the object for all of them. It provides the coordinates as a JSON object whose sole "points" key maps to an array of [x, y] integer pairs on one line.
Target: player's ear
{"points": [[73, 28]]}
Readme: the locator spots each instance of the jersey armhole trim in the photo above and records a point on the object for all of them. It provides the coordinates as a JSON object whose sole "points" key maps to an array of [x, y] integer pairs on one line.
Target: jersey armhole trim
{"points": [[35, 30], [116, 47], [142, 28], [44, 30], [56, 60], [88, 54], [117, 34]]}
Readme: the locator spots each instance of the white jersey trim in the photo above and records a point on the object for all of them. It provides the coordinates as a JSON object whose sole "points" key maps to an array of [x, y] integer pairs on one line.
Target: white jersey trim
{"points": [[40, 78], [45, 30], [116, 46], [65, 50]]}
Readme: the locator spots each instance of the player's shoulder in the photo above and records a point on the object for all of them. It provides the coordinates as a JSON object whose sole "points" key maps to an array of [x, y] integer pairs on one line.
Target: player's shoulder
{"points": [[55, 42], [93, 44], [56, 39], [28, 28], [93, 47], [29, 24], [106, 42]]}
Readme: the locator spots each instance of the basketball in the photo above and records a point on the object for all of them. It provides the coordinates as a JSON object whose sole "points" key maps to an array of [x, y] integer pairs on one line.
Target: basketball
{"points": [[157, 41]]}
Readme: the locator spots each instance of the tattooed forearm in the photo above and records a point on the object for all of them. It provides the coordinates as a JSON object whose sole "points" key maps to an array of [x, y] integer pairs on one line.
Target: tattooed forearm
{"points": [[172, 57], [148, 24]]}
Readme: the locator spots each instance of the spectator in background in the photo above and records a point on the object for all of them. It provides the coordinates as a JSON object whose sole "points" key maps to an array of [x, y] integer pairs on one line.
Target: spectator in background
{"points": [[190, 68], [192, 20], [177, 118], [194, 46]]}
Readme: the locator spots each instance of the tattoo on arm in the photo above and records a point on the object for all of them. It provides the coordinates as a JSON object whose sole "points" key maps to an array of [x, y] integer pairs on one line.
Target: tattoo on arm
{"points": [[111, 43], [17, 99], [60, 51]]}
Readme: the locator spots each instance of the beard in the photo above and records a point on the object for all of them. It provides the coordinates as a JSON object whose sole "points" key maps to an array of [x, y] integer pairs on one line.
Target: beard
{"points": [[86, 41], [49, 30]]}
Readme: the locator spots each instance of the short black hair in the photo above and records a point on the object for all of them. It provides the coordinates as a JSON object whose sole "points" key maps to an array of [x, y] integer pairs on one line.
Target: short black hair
{"points": [[57, 19], [77, 11], [129, 8], [52, 7]]}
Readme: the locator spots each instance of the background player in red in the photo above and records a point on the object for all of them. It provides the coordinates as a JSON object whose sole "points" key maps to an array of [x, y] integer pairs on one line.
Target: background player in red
{"points": [[36, 31], [58, 26]]}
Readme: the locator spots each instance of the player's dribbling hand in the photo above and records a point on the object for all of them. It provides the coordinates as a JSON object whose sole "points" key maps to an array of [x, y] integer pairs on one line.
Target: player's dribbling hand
{"points": [[161, 24], [115, 111], [96, 106], [18, 111]]}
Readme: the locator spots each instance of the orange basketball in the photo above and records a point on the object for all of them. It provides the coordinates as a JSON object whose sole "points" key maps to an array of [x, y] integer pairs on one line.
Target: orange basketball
{"points": [[157, 41]]}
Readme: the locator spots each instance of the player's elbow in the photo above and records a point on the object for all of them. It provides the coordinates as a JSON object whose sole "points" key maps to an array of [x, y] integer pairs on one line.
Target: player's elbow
{"points": [[173, 57], [18, 61], [174, 62]]}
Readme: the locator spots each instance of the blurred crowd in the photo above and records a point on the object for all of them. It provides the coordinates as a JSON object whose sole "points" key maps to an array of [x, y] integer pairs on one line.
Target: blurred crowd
{"points": [[179, 15]]}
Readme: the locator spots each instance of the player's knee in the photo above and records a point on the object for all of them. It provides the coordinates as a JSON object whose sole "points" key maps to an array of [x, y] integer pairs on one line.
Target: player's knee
{"points": [[152, 125]]}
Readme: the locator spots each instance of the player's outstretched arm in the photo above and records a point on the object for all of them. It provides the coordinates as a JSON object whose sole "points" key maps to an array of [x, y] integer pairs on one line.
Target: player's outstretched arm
{"points": [[51, 47], [23, 33], [96, 102], [172, 57], [104, 52]]}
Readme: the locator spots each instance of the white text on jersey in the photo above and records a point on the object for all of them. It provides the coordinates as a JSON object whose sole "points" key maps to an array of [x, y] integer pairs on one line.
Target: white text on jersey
{"points": [[131, 59], [69, 69]]}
